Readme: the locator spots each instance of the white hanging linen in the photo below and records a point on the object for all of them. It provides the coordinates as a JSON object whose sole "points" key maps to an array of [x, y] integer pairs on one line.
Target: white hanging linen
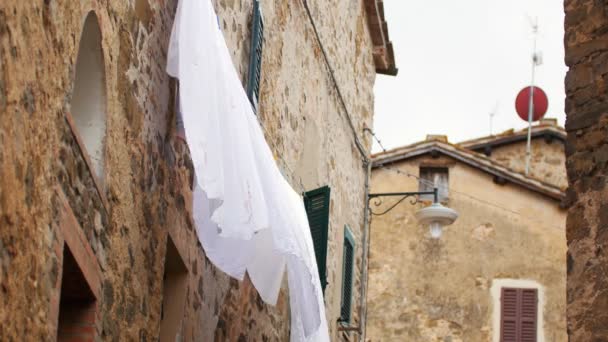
{"points": [[247, 216]]}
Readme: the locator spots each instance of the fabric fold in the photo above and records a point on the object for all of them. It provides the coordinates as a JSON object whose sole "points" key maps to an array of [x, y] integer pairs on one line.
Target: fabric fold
{"points": [[247, 216]]}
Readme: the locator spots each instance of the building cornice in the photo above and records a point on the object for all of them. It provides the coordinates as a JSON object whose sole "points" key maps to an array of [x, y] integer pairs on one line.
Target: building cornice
{"points": [[384, 55]]}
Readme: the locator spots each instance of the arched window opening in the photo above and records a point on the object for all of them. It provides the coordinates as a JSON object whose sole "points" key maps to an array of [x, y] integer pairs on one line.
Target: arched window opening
{"points": [[89, 96]]}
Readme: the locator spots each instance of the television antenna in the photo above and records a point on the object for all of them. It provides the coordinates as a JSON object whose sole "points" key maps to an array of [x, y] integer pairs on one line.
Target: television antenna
{"points": [[536, 61], [493, 113]]}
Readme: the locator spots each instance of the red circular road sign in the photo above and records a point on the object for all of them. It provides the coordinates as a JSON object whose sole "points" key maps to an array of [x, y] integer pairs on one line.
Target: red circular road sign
{"points": [[522, 102]]}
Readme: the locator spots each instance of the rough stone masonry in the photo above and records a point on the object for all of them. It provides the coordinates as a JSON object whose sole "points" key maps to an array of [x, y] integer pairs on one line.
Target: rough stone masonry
{"points": [[586, 43], [105, 239]]}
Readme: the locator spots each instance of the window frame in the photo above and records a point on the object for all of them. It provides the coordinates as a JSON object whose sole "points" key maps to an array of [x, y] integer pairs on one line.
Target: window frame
{"points": [[495, 293], [93, 153], [99, 180], [173, 301], [70, 236], [350, 240], [443, 190]]}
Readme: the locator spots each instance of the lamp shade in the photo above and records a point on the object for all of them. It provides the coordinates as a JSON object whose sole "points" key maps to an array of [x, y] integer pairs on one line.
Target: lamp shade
{"points": [[436, 213]]}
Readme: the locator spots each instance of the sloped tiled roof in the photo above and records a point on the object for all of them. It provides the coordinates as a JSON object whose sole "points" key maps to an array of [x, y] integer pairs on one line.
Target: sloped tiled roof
{"points": [[471, 158], [546, 128]]}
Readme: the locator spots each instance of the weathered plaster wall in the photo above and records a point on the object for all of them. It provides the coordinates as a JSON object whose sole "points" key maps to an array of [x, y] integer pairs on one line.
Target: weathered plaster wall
{"points": [[440, 290], [548, 161], [586, 44], [146, 192]]}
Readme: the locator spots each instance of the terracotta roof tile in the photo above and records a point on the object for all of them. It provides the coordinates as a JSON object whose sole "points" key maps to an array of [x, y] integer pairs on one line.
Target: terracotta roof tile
{"points": [[545, 127], [471, 158], [384, 55]]}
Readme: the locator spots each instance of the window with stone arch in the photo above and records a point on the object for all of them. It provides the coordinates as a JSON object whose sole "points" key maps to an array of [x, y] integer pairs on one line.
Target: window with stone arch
{"points": [[88, 106]]}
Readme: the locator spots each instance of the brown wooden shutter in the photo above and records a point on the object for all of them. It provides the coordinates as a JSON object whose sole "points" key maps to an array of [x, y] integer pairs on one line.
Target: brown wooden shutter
{"points": [[528, 315], [518, 315], [508, 314]]}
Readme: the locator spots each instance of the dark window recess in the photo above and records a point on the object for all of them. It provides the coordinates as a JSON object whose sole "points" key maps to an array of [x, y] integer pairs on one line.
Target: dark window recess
{"points": [[434, 177], [348, 269], [518, 311], [316, 203], [175, 280], [77, 305], [255, 60], [180, 130]]}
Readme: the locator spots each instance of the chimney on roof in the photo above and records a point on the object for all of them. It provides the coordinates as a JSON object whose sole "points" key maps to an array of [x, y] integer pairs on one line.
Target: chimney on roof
{"points": [[548, 122], [437, 137]]}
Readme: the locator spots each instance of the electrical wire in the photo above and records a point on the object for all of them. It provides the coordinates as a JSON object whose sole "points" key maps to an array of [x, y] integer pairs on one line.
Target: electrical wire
{"points": [[360, 148], [375, 138], [461, 193]]}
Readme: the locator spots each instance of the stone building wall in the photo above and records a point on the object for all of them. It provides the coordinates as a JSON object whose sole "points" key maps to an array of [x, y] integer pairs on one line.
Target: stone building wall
{"points": [[299, 107], [117, 227], [547, 162], [422, 289], [586, 44]]}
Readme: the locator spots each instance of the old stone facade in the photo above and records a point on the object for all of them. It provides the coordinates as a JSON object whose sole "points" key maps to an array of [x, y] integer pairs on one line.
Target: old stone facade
{"points": [[548, 155], [101, 238], [510, 234], [586, 44]]}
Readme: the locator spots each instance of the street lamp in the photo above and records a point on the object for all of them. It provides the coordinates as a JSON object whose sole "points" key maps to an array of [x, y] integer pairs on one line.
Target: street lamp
{"points": [[435, 216]]}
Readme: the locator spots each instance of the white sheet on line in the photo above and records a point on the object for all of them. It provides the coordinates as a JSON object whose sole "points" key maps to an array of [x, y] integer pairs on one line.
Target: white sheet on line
{"points": [[247, 216]]}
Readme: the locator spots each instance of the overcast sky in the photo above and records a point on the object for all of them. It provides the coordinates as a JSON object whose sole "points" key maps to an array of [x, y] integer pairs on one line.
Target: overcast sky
{"points": [[458, 59]]}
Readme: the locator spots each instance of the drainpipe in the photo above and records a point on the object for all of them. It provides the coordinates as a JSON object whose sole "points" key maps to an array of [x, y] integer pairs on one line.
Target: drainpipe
{"points": [[367, 164], [360, 328], [365, 258]]}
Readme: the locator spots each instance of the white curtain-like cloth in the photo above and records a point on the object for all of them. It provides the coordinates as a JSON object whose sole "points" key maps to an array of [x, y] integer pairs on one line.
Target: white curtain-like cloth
{"points": [[247, 216]]}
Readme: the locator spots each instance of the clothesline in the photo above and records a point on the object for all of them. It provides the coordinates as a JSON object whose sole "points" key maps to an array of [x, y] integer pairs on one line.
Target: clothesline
{"points": [[247, 216]]}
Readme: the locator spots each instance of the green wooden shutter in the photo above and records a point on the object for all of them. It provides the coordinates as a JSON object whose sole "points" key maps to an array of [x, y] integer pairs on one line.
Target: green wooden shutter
{"points": [[316, 203], [348, 272], [255, 59]]}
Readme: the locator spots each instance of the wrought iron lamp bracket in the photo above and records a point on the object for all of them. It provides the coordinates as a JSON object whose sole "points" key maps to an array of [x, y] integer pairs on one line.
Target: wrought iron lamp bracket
{"points": [[404, 195]]}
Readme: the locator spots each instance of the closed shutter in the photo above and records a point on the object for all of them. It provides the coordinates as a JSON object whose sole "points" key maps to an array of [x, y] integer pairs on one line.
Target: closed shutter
{"points": [[255, 59], [518, 315], [528, 315], [434, 177], [317, 210], [509, 310], [347, 276]]}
